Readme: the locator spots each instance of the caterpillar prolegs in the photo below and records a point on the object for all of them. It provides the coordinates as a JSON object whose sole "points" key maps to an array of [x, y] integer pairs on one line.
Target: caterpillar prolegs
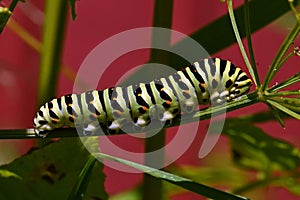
{"points": [[211, 80]]}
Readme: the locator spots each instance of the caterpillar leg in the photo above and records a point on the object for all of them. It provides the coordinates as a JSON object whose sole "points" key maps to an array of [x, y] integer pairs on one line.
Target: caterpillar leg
{"points": [[90, 129]]}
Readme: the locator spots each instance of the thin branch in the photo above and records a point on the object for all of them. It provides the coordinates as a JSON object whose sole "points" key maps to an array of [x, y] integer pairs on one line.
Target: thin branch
{"points": [[276, 63], [249, 41], [244, 101], [239, 41]]}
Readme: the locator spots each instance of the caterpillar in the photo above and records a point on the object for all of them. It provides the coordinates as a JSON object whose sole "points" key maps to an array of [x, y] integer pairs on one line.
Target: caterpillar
{"points": [[209, 81]]}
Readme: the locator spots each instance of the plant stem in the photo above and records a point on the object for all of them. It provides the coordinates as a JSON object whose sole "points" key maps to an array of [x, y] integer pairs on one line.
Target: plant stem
{"points": [[53, 33], [249, 41], [13, 4], [250, 99], [284, 93], [275, 65], [37, 46], [239, 41], [23, 34], [284, 109], [152, 188], [290, 81], [294, 10]]}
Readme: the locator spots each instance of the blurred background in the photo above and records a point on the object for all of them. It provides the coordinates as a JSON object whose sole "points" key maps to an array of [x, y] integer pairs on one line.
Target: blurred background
{"points": [[99, 20]]}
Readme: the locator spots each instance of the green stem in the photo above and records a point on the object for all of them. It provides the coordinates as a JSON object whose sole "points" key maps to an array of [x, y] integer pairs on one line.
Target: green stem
{"points": [[152, 188], [5, 14], [290, 81], [246, 100], [13, 4], [285, 59], [239, 41], [52, 43], [249, 41], [294, 10], [53, 34], [284, 93], [275, 65], [283, 108], [276, 115]]}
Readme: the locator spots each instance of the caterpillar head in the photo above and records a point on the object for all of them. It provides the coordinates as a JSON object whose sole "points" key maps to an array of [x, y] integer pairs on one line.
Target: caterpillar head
{"points": [[46, 119], [232, 88], [240, 87], [40, 124]]}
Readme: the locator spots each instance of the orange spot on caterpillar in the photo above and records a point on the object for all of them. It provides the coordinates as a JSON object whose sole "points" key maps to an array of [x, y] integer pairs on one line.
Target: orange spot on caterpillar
{"points": [[186, 91], [183, 68], [168, 102], [119, 112], [144, 108], [203, 84]]}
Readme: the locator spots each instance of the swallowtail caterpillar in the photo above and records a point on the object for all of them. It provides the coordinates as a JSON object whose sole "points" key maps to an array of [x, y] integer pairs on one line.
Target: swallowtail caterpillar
{"points": [[211, 80]]}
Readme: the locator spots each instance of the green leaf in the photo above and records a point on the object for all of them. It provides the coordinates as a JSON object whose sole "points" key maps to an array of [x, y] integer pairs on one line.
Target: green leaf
{"points": [[260, 117], [254, 149], [228, 176], [81, 185], [133, 194], [174, 179], [52, 171]]}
